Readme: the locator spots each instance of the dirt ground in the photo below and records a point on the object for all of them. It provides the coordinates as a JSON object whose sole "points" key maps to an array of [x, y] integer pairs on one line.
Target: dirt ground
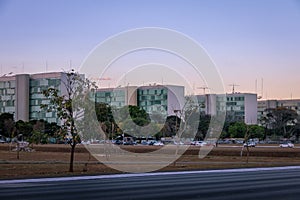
{"points": [[53, 160]]}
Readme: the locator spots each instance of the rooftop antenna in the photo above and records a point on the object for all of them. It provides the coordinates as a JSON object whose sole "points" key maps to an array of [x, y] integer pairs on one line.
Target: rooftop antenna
{"points": [[256, 86], [46, 65], [70, 64], [258, 96], [262, 87], [233, 85]]}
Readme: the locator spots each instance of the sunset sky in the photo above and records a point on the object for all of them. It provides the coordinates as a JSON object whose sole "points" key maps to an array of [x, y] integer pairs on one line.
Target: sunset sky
{"points": [[248, 40]]}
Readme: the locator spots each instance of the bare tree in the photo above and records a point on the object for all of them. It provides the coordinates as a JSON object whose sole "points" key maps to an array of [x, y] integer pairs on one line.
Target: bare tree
{"points": [[75, 86]]}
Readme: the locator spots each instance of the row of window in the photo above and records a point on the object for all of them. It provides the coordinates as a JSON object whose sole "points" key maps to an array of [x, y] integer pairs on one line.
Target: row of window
{"points": [[152, 92], [111, 94], [7, 103], [7, 109], [42, 115], [45, 82], [7, 91], [148, 97], [235, 98], [7, 97], [110, 99], [7, 84], [38, 102], [235, 108], [154, 102], [154, 108]]}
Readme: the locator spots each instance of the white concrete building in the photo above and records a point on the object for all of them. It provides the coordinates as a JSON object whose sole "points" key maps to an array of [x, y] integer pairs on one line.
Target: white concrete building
{"points": [[293, 104], [238, 106], [22, 96]]}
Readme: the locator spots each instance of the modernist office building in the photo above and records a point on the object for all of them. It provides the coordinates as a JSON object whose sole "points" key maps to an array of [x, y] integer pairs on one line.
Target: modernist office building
{"points": [[22, 95], [238, 106], [165, 99], [263, 105], [117, 97]]}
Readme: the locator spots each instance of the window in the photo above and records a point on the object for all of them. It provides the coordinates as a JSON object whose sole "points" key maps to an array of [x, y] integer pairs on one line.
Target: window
{"points": [[230, 103], [49, 114]]}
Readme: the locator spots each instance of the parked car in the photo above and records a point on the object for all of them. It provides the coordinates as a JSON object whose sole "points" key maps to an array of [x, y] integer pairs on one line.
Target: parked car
{"points": [[198, 143], [249, 144], [287, 145], [158, 143]]}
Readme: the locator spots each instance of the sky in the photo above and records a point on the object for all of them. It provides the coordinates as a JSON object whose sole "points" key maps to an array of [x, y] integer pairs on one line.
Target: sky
{"points": [[250, 41]]}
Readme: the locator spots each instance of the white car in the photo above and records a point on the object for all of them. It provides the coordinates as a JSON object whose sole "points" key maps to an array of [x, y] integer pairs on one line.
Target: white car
{"points": [[287, 145], [249, 144], [200, 143], [158, 143]]}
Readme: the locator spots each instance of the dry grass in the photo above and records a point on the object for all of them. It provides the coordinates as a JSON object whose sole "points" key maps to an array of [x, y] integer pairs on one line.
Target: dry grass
{"points": [[52, 160]]}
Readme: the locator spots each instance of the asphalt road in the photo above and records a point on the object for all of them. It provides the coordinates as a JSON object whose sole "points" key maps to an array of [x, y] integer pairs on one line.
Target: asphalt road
{"points": [[242, 184]]}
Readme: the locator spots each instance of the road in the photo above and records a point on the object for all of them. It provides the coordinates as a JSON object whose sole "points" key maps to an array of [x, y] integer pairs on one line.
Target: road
{"points": [[242, 184]]}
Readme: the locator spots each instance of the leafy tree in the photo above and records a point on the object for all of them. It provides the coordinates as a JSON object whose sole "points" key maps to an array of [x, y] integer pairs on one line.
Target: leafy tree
{"points": [[171, 126], [237, 130], [297, 128], [7, 124], [104, 112], [77, 90], [24, 128], [256, 131], [225, 132], [203, 126], [52, 129], [280, 119], [132, 120]]}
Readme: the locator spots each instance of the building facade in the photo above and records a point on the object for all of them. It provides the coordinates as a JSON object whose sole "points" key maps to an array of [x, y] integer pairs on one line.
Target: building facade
{"points": [[117, 97], [263, 105], [22, 95], [8, 94], [163, 99], [238, 106], [37, 84]]}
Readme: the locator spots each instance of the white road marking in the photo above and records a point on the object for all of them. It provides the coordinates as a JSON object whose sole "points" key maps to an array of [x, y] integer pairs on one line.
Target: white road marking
{"points": [[57, 179]]}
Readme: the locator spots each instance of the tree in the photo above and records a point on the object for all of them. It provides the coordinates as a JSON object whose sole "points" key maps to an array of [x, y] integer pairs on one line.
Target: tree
{"points": [[171, 126], [256, 131], [132, 119], [24, 128], [237, 130], [203, 126], [7, 125], [77, 89], [281, 120]]}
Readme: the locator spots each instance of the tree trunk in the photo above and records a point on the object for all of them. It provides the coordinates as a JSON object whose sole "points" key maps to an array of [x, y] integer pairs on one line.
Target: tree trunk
{"points": [[247, 161], [71, 168]]}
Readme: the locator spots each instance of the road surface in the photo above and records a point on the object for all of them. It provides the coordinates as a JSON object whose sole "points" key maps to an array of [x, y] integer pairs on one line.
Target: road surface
{"points": [[241, 184]]}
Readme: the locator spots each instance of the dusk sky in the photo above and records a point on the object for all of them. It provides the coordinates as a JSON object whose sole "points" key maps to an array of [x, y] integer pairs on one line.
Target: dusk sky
{"points": [[248, 40]]}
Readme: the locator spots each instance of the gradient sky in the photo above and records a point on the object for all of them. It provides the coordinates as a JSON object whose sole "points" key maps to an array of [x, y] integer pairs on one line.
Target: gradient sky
{"points": [[248, 40]]}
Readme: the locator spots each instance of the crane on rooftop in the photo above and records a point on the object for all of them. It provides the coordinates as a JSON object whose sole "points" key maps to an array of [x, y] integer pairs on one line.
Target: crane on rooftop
{"points": [[204, 88]]}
